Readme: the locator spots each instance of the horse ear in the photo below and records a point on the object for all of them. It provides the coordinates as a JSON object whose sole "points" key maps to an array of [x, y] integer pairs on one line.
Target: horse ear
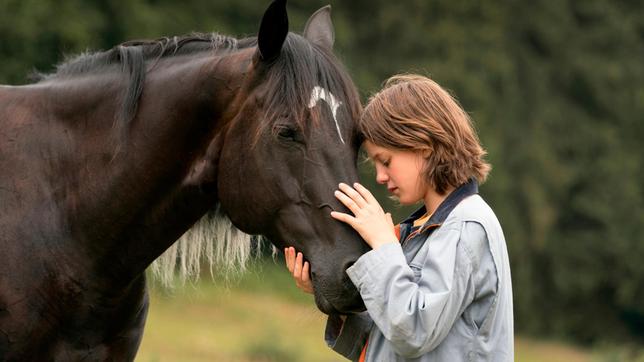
{"points": [[273, 30], [319, 28]]}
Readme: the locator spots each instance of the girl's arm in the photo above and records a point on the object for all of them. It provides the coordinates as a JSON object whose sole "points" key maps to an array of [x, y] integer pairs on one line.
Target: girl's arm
{"points": [[416, 308]]}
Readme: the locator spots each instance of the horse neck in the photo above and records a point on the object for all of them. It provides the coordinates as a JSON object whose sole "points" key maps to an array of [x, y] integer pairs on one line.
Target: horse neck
{"points": [[139, 200]]}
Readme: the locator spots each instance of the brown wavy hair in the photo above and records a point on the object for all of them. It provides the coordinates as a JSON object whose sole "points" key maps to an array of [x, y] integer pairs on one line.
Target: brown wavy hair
{"points": [[413, 113]]}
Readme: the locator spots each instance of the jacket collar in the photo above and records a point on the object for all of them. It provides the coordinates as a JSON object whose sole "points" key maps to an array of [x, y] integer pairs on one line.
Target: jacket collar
{"points": [[445, 208]]}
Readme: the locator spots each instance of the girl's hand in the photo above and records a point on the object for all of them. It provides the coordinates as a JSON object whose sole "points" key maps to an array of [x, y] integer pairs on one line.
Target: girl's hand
{"points": [[369, 220], [300, 271]]}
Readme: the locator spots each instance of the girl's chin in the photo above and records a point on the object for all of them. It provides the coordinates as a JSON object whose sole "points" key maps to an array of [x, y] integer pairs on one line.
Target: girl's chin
{"points": [[404, 201], [398, 200]]}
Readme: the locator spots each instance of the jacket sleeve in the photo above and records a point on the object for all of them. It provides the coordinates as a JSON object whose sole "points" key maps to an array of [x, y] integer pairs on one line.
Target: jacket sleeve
{"points": [[348, 337], [415, 313]]}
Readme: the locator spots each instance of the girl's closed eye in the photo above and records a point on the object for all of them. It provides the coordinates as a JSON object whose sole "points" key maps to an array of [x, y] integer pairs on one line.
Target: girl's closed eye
{"points": [[381, 160]]}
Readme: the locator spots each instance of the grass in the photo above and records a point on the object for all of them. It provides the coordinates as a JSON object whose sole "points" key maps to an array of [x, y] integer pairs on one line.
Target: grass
{"points": [[263, 317], [260, 317]]}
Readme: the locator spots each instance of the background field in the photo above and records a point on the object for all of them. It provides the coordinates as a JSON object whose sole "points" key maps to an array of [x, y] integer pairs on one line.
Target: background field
{"points": [[261, 316]]}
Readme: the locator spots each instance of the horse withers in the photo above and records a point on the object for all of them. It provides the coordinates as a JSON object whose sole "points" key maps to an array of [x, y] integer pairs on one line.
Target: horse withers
{"points": [[108, 161]]}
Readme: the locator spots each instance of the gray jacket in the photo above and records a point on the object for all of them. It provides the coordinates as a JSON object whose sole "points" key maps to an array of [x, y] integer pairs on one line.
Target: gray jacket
{"points": [[444, 294]]}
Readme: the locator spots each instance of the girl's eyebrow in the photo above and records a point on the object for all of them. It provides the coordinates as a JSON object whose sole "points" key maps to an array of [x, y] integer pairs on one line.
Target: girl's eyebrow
{"points": [[375, 155], [378, 155]]}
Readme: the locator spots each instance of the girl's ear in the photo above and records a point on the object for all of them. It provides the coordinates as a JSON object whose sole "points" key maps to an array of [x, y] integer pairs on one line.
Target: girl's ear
{"points": [[426, 153]]}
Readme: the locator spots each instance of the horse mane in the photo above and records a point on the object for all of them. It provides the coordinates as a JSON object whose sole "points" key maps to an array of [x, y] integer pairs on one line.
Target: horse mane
{"points": [[229, 254], [301, 66], [132, 57]]}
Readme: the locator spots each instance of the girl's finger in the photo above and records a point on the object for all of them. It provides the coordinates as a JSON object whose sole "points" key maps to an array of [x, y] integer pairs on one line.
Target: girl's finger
{"points": [[289, 260], [340, 216], [347, 201], [297, 272], [365, 193], [291, 254], [286, 259], [305, 273], [353, 194]]}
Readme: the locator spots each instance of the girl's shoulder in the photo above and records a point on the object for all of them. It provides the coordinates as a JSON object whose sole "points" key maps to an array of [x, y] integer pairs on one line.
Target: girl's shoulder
{"points": [[472, 209]]}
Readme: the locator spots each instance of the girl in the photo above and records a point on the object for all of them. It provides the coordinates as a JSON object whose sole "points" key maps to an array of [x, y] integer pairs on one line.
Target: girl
{"points": [[436, 287]]}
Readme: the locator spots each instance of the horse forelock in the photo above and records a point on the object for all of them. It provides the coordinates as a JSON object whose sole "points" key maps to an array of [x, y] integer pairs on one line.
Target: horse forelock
{"points": [[213, 240], [295, 74]]}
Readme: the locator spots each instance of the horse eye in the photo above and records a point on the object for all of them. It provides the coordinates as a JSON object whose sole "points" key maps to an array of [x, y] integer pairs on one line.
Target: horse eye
{"points": [[288, 133]]}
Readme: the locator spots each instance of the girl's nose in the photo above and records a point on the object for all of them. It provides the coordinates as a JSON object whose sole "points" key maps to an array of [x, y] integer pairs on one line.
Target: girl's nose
{"points": [[381, 176]]}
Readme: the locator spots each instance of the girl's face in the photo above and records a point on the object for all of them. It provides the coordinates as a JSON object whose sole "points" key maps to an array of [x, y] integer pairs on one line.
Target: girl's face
{"points": [[400, 171]]}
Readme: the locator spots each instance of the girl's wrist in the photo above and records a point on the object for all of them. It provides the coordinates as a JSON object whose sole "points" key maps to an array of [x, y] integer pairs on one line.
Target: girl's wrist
{"points": [[378, 244]]}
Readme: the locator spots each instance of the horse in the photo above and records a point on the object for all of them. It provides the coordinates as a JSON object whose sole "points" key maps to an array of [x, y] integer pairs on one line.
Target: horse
{"points": [[115, 155]]}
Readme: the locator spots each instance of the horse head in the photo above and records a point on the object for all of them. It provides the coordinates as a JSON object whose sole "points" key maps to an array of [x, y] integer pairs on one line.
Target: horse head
{"points": [[287, 148]]}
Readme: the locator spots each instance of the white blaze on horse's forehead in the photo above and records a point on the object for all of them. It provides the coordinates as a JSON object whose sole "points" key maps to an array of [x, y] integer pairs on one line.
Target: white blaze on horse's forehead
{"points": [[318, 93]]}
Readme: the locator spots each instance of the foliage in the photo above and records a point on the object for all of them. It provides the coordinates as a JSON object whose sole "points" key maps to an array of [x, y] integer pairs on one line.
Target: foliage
{"points": [[556, 90]]}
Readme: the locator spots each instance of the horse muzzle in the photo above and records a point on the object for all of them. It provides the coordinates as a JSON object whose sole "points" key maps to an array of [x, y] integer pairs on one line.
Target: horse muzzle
{"points": [[343, 300]]}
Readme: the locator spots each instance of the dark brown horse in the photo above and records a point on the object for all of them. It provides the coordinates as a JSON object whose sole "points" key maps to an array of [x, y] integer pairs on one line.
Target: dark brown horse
{"points": [[107, 162]]}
